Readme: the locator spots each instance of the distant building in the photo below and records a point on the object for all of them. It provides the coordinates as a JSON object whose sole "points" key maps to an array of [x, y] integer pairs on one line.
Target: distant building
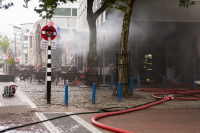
{"points": [[82, 14], [13, 33]]}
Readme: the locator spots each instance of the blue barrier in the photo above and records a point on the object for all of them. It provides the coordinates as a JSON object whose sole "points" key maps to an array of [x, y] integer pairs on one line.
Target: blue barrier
{"points": [[131, 85], [93, 93], [66, 95], [119, 92]]}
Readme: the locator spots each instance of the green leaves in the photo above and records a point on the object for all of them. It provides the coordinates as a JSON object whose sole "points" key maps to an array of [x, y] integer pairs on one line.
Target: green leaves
{"points": [[117, 4], [4, 41], [186, 3], [5, 6]]}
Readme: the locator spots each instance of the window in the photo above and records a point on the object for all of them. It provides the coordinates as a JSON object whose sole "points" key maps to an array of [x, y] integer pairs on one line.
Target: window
{"points": [[74, 12], [60, 22], [65, 31], [27, 30], [62, 11], [25, 38], [67, 22], [73, 22]]}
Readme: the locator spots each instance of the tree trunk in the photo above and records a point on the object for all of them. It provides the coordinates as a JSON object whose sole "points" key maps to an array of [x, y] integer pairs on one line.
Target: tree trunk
{"points": [[92, 55], [92, 74], [123, 69]]}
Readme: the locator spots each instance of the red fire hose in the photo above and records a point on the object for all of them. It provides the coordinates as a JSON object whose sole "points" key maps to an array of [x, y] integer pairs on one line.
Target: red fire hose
{"points": [[164, 92], [121, 112], [170, 80], [161, 92]]}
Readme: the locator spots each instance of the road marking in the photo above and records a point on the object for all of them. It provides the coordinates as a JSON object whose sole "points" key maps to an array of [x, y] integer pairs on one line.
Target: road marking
{"points": [[48, 124], [84, 123]]}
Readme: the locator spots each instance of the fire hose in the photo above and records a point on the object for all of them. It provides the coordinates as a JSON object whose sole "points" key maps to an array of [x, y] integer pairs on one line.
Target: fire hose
{"points": [[161, 92], [170, 80]]}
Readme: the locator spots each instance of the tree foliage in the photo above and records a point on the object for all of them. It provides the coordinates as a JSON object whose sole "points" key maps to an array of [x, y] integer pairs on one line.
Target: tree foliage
{"points": [[48, 6], [186, 3], [4, 41], [5, 6]]}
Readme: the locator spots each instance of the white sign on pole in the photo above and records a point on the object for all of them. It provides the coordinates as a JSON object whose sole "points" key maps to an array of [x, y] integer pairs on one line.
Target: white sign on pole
{"points": [[44, 44]]}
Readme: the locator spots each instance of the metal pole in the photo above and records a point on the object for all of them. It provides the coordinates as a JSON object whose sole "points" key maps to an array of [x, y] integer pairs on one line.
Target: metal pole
{"points": [[66, 95], [49, 72], [103, 63], [119, 92], [93, 93], [15, 45], [131, 85]]}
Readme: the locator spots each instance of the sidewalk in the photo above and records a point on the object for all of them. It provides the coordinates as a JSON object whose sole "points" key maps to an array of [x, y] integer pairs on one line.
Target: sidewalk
{"points": [[17, 110]]}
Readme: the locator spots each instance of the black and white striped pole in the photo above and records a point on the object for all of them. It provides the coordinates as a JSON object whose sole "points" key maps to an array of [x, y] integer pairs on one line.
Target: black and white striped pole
{"points": [[49, 72], [48, 33]]}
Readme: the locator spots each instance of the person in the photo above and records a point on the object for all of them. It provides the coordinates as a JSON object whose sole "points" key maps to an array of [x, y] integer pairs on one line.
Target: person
{"points": [[148, 68], [144, 63]]}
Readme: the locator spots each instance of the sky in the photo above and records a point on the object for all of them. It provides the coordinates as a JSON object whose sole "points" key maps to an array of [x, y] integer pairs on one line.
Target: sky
{"points": [[17, 14]]}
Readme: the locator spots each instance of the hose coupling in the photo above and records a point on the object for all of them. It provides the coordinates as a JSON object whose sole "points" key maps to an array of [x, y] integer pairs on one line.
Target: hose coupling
{"points": [[169, 97]]}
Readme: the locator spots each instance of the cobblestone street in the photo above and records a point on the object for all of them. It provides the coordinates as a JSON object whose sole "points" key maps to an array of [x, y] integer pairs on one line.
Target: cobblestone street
{"points": [[82, 97]]}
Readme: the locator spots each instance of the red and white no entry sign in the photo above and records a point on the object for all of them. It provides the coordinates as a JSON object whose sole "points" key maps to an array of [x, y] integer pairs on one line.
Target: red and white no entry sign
{"points": [[43, 32]]}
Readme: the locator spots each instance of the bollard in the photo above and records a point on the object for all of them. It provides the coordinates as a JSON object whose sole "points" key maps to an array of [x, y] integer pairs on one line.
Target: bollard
{"points": [[163, 81], [193, 82], [138, 81], [131, 85], [93, 93], [119, 92], [66, 95], [111, 86]]}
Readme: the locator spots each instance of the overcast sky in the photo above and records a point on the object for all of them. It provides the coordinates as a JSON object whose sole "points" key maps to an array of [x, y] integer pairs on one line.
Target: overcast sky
{"points": [[17, 14]]}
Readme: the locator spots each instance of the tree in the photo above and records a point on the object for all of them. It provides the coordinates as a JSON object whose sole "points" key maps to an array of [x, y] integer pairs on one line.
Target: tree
{"points": [[123, 69], [49, 6], [4, 42]]}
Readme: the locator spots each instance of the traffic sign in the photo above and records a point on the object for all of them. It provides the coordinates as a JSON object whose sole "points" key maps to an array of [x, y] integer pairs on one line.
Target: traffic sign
{"points": [[45, 29], [44, 44]]}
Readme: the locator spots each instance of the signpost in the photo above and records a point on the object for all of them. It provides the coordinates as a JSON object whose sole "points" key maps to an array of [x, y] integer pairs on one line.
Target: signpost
{"points": [[48, 33], [44, 44]]}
